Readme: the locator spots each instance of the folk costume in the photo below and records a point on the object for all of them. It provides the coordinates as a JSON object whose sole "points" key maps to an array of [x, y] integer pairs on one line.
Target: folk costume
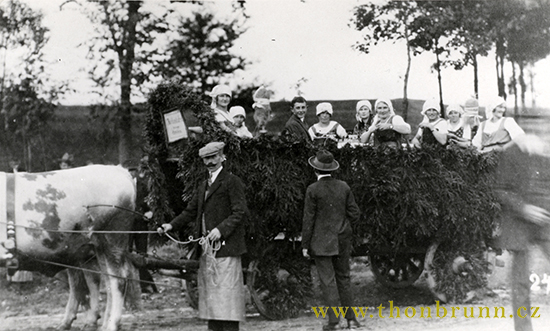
{"points": [[329, 210], [333, 131], [425, 136], [320, 133], [219, 203], [362, 125], [496, 134], [523, 180], [382, 136]]}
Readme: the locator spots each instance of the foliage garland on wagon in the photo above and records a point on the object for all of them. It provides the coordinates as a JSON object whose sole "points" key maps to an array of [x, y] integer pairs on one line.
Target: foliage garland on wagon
{"points": [[408, 198]]}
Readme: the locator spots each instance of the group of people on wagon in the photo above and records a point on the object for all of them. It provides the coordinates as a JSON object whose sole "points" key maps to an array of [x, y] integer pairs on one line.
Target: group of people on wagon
{"points": [[381, 126], [218, 206]]}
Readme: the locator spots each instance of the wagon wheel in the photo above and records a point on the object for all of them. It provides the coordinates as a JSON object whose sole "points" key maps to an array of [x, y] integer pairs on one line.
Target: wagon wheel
{"points": [[455, 274], [279, 283], [192, 291], [397, 270]]}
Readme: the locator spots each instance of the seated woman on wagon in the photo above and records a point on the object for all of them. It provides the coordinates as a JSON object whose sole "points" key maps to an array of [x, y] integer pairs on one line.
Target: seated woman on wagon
{"points": [[432, 131], [221, 97], [458, 131], [387, 128], [326, 130], [364, 116], [498, 131], [463, 123]]}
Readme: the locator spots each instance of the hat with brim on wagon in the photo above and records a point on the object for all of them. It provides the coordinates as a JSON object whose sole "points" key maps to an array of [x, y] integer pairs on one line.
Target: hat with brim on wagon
{"points": [[324, 160]]}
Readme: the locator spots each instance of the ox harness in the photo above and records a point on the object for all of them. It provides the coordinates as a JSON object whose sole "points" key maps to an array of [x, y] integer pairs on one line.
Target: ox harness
{"points": [[7, 218]]}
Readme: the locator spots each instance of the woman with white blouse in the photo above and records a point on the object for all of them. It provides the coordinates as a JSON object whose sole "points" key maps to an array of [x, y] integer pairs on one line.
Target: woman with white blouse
{"points": [[498, 131]]}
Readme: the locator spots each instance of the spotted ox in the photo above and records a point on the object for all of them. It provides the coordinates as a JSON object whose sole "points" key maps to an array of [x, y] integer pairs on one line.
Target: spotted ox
{"points": [[65, 218]]}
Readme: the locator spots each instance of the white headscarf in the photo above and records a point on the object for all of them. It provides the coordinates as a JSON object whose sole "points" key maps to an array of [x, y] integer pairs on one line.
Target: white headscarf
{"points": [[359, 105], [387, 102], [217, 90], [431, 104], [492, 105], [456, 107], [237, 110], [324, 107]]}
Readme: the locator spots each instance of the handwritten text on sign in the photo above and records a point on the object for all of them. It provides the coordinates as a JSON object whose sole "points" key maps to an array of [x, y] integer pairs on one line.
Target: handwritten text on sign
{"points": [[175, 126]]}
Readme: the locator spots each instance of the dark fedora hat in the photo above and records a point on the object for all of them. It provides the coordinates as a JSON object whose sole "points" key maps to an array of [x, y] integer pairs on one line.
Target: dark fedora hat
{"points": [[324, 160]]}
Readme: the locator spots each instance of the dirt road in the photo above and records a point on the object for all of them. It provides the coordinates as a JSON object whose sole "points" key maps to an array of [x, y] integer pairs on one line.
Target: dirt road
{"points": [[40, 307]]}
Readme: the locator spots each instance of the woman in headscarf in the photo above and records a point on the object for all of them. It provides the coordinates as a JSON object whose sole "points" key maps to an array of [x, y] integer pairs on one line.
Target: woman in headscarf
{"points": [[221, 97], [498, 131], [387, 128], [364, 117], [326, 130], [458, 131], [432, 131]]}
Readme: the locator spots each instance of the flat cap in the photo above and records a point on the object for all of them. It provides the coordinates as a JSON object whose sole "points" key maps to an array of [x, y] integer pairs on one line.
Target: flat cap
{"points": [[211, 148]]}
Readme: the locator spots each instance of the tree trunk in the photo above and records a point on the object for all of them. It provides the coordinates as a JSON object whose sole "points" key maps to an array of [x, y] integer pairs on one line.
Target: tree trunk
{"points": [[476, 77], [126, 56], [522, 84], [438, 67], [406, 80], [532, 84], [500, 53], [514, 89]]}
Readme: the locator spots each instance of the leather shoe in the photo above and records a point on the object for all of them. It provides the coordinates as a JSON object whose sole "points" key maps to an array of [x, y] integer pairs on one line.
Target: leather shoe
{"points": [[331, 326], [353, 324]]}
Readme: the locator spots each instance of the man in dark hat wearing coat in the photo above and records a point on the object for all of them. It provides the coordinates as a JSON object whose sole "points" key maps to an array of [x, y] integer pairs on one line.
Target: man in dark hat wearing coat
{"points": [[329, 210], [218, 209]]}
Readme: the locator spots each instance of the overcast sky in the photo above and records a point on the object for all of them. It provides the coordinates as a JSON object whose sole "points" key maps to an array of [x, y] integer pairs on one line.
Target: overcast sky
{"points": [[288, 40]]}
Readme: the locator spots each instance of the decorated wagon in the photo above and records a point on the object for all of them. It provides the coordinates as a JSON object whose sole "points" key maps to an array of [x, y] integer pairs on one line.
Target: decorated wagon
{"points": [[424, 212]]}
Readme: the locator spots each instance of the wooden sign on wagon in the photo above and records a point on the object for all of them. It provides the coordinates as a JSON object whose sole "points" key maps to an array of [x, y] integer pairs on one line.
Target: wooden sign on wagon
{"points": [[174, 126]]}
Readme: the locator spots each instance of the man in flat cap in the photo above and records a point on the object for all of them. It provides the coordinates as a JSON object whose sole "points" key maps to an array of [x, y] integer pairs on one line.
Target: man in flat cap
{"points": [[218, 209], [329, 209]]}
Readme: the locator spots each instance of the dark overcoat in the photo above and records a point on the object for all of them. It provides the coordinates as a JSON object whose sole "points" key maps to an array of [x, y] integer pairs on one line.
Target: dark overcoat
{"points": [[329, 209], [297, 129], [224, 207]]}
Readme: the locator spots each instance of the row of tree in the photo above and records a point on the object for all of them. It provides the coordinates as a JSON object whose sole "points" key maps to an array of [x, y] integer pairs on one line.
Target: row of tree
{"points": [[133, 47], [459, 32], [136, 45]]}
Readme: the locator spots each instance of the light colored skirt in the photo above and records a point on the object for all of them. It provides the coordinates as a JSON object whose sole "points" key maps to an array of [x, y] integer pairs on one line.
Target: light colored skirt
{"points": [[221, 288]]}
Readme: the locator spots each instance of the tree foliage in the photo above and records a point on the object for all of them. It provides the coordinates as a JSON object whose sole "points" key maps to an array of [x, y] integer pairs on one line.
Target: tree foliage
{"points": [[26, 104], [457, 32], [391, 21], [122, 30], [200, 53], [21, 33], [134, 48], [25, 116], [470, 37]]}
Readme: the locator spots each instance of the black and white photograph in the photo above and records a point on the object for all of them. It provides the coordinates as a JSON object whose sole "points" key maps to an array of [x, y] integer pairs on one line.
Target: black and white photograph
{"points": [[307, 165]]}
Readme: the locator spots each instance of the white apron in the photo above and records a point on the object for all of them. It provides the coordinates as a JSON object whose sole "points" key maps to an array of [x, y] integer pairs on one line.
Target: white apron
{"points": [[221, 288]]}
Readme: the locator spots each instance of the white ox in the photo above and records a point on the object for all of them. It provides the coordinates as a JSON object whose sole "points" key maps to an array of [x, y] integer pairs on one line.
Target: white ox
{"points": [[43, 209]]}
